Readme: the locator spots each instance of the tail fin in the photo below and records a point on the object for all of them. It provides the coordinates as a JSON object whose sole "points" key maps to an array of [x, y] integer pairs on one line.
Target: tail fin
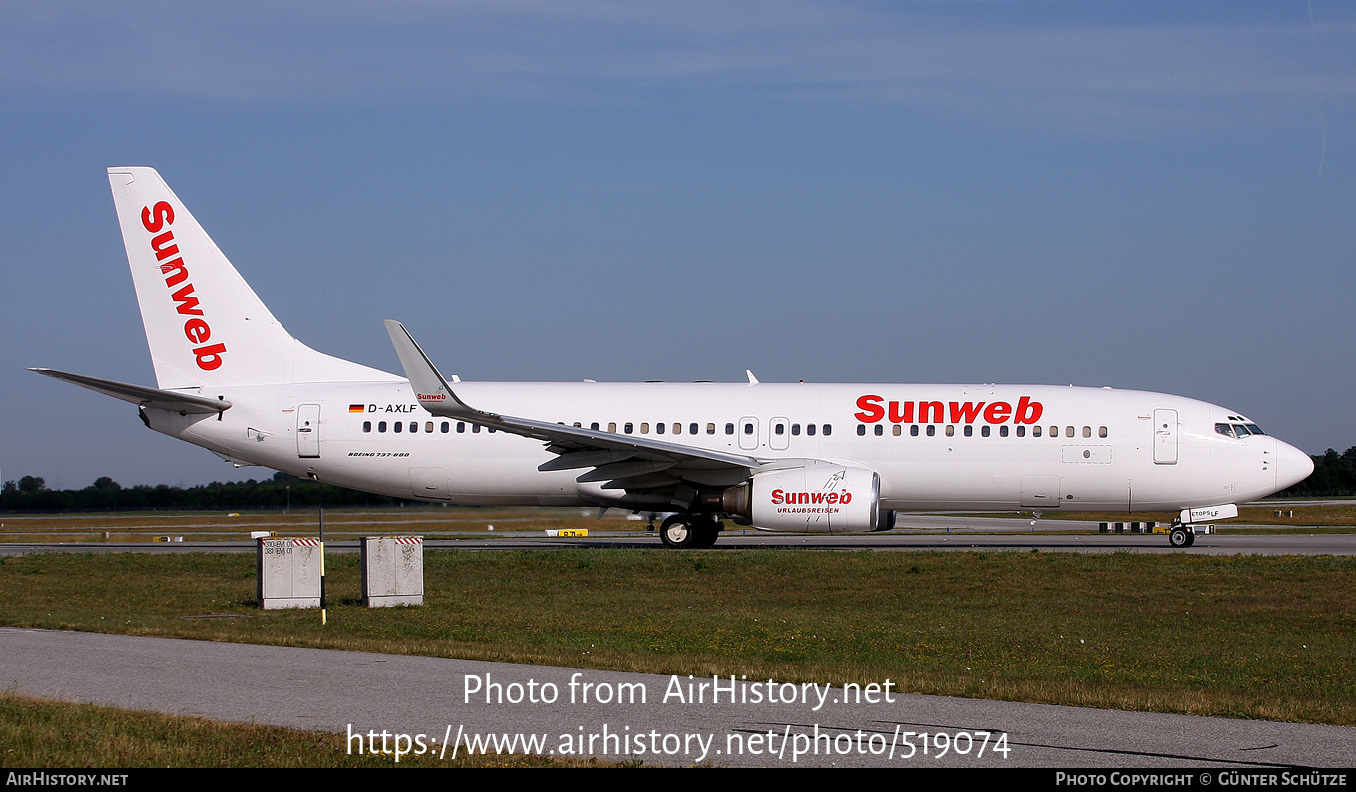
{"points": [[204, 324]]}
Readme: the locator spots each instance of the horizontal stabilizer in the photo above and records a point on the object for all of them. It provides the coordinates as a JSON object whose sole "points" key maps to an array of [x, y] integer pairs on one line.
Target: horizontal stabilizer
{"points": [[141, 395]]}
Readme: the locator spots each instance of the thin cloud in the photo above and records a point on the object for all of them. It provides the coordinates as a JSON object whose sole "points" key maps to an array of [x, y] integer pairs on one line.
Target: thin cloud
{"points": [[959, 60]]}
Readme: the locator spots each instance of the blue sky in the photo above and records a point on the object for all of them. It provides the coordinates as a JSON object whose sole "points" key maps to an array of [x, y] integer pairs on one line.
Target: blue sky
{"points": [[1154, 196]]}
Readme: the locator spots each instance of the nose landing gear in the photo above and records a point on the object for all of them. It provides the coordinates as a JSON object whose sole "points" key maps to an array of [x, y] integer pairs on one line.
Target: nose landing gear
{"points": [[1181, 536]]}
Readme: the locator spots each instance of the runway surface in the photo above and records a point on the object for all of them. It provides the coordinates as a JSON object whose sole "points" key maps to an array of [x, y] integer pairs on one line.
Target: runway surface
{"points": [[426, 699]]}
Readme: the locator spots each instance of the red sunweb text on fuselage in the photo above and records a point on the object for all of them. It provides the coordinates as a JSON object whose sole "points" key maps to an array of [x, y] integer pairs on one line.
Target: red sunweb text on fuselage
{"points": [[875, 408]]}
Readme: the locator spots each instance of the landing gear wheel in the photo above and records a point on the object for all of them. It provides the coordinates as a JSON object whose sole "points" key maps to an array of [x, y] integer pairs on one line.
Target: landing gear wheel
{"points": [[1180, 537], [676, 531], [1191, 538], [707, 531]]}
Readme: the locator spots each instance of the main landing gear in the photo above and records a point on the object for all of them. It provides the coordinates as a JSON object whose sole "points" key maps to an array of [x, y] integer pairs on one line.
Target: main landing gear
{"points": [[694, 531], [1181, 536]]}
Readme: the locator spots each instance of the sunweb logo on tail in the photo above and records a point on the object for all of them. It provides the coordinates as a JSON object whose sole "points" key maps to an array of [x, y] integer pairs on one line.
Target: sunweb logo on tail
{"points": [[156, 220]]}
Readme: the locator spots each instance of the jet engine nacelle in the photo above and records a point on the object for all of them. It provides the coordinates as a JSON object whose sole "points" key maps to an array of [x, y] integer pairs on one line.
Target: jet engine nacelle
{"points": [[821, 498]]}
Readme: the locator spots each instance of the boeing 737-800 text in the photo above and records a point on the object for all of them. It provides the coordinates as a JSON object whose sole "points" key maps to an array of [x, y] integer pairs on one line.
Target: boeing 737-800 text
{"points": [[779, 457]]}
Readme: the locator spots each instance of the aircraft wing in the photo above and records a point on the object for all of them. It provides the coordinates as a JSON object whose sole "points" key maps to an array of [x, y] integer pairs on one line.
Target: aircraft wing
{"points": [[141, 395], [635, 464]]}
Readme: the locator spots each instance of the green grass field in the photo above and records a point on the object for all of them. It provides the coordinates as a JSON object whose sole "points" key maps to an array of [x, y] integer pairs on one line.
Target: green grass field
{"points": [[1244, 636], [37, 733]]}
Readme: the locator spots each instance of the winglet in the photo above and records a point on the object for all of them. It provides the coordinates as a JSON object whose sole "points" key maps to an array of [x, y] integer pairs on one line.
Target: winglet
{"points": [[430, 389], [752, 379]]}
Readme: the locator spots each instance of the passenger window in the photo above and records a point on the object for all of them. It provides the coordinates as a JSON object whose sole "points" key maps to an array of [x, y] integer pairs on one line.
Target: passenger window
{"points": [[828, 430], [381, 426], [861, 430], [428, 427], [658, 428], [628, 428], [932, 430], [1003, 430], [612, 427], [795, 430], [414, 427], [898, 430], [1101, 431], [475, 428], [779, 429], [578, 425], [1021, 431], [594, 426], [692, 428], [446, 427], [748, 428], [729, 428], [1035, 431], [950, 430], [810, 429], [913, 430], [984, 430], [1087, 431], [969, 430], [461, 427], [398, 427], [880, 430]]}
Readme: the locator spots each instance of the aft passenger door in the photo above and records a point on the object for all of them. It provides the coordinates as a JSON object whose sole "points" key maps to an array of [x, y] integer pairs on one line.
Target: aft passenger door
{"points": [[308, 431]]}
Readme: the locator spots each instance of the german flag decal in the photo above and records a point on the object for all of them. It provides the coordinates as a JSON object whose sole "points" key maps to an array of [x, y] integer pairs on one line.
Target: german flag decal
{"points": [[355, 408]]}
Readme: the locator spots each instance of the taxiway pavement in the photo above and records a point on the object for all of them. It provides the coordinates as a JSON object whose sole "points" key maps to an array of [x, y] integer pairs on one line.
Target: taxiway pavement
{"points": [[369, 695]]}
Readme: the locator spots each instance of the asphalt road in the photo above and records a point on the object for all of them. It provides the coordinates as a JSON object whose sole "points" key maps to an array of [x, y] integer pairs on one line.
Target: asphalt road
{"points": [[437, 703]]}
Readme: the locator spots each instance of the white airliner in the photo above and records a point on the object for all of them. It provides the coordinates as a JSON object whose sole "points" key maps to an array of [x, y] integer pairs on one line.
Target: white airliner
{"points": [[780, 457]]}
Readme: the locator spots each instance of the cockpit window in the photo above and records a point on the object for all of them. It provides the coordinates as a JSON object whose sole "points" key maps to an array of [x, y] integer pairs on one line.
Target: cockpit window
{"points": [[1238, 430]]}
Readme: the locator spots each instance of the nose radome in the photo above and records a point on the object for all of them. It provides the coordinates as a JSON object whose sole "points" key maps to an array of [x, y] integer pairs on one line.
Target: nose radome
{"points": [[1292, 465]]}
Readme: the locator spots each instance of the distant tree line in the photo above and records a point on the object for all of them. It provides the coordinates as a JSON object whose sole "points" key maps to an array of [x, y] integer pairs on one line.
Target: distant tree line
{"points": [[30, 494], [1334, 474]]}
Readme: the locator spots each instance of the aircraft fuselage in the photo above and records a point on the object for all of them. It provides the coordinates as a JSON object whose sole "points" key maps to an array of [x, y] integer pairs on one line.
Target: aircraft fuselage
{"points": [[1072, 449]]}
